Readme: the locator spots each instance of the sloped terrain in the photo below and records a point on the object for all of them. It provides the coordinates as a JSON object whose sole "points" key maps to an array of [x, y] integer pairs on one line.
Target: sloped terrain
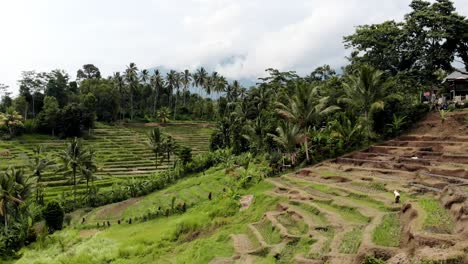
{"points": [[121, 153], [342, 211]]}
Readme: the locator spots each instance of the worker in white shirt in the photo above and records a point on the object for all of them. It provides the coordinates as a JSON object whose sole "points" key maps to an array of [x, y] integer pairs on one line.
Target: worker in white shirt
{"points": [[397, 196]]}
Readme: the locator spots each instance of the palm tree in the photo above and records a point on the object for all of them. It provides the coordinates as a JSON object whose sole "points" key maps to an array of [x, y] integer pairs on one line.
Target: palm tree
{"points": [[171, 79], [157, 82], [38, 164], [88, 168], [144, 76], [163, 114], [305, 109], [186, 80], [221, 84], [177, 82], [14, 189], [11, 120], [200, 78], [119, 85], [132, 81], [155, 138], [74, 158], [366, 91], [289, 136]]}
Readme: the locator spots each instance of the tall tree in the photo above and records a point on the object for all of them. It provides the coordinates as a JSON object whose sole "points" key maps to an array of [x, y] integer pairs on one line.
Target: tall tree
{"points": [[186, 80], [15, 188], [89, 71], [38, 163], [155, 141], [200, 78], [157, 83], [132, 82], [366, 91], [74, 158], [305, 108]]}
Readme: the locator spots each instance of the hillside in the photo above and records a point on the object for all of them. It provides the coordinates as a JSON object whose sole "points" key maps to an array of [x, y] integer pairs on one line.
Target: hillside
{"points": [[339, 211], [121, 152]]}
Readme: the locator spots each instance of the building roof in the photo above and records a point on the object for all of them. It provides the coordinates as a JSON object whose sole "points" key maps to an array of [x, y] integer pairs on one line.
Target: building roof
{"points": [[456, 75]]}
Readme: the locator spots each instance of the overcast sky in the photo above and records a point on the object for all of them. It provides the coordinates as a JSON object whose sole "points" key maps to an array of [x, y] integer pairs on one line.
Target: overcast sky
{"points": [[238, 38]]}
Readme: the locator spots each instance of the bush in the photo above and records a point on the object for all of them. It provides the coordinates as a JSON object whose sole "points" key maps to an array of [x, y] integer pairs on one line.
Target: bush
{"points": [[372, 260], [53, 215]]}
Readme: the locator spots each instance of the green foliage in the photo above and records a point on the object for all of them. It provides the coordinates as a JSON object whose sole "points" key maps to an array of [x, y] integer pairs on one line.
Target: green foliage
{"points": [[185, 154], [351, 241], [387, 233], [53, 215], [373, 260], [438, 219]]}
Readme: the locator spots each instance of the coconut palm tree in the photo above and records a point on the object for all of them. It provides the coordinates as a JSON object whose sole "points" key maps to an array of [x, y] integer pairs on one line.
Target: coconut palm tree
{"points": [[74, 158], [305, 108], [144, 76], [289, 137], [38, 164], [163, 114], [119, 85], [155, 140], [366, 91], [12, 120], [186, 80], [200, 78], [132, 81], [15, 188], [88, 168], [157, 82]]}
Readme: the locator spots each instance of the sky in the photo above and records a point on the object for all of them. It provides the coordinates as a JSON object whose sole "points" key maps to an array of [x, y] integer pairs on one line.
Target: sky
{"points": [[239, 38]]}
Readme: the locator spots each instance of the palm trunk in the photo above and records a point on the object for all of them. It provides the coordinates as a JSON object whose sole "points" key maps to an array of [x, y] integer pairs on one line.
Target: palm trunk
{"points": [[175, 106], [34, 113], [5, 218], [306, 150], [74, 187], [131, 105], [37, 189], [366, 113]]}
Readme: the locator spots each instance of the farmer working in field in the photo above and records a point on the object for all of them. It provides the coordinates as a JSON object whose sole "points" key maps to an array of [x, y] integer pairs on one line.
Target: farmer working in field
{"points": [[397, 196]]}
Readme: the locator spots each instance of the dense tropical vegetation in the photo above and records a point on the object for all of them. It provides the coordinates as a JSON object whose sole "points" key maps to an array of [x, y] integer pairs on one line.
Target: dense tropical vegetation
{"points": [[285, 121]]}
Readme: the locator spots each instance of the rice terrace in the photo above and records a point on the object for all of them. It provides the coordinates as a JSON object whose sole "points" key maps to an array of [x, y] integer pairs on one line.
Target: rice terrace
{"points": [[230, 141]]}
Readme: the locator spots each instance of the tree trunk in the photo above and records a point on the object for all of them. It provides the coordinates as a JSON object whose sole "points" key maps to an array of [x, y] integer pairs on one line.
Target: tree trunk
{"points": [[366, 113], [5, 217], [306, 150], [74, 187], [175, 106], [34, 113], [131, 105]]}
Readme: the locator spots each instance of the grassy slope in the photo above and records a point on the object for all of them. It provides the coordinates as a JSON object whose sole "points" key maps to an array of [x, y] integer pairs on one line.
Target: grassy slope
{"points": [[154, 241], [120, 153]]}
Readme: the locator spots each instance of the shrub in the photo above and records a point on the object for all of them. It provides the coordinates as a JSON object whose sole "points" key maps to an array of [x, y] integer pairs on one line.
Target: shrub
{"points": [[185, 155], [53, 215]]}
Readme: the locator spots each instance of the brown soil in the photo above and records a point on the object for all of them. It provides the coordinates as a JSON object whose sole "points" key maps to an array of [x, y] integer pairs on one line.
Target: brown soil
{"points": [[432, 158], [115, 210]]}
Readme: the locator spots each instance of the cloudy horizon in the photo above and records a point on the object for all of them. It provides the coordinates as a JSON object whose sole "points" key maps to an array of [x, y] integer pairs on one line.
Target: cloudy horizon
{"points": [[239, 39]]}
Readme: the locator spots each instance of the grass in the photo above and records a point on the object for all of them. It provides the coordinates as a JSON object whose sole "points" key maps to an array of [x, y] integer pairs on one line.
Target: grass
{"points": [[316, 186], [120, 153], [367, 201], [348, 213], [312, 212], [387, 233], [197, 236], [351, 241], [269, 232], [438, 219], [294, 226]]}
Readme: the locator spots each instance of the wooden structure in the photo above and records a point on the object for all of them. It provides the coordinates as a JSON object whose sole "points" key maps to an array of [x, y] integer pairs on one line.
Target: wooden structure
{"points": [[457, 84]]}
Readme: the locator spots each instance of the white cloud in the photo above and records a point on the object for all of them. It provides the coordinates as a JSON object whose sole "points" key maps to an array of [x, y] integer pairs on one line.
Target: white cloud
{"points": [[289, 35]]}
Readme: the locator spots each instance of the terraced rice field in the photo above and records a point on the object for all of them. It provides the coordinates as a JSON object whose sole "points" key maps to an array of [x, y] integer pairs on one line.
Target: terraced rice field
{"points": [[344, 209], [121, 152]]}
